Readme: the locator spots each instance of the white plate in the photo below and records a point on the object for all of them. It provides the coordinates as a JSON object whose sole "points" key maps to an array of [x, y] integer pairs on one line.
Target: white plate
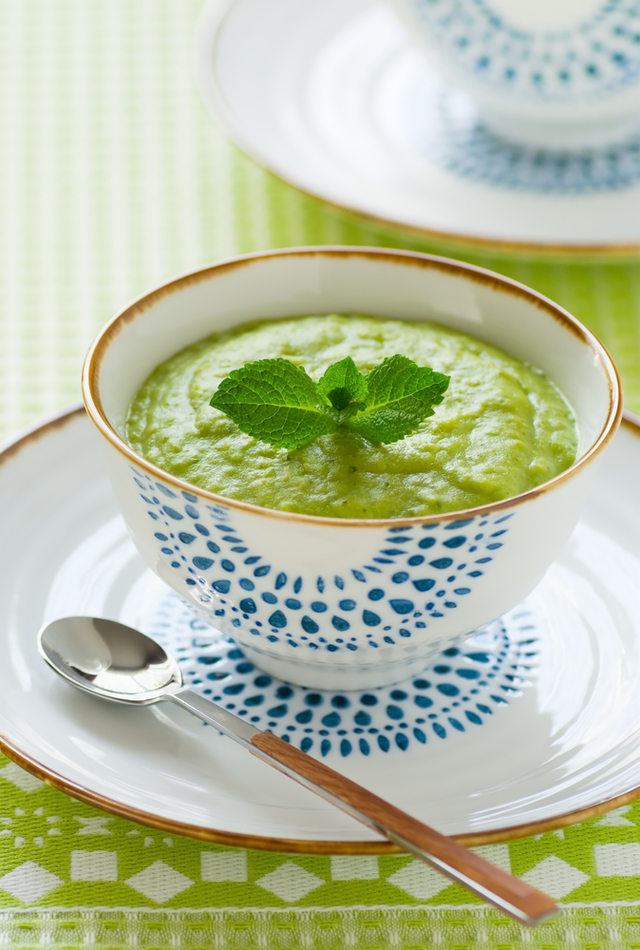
{"points": [[527, 727], [335, 98]]}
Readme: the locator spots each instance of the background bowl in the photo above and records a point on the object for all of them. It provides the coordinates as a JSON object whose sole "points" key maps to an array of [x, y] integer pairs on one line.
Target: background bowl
{"points": [[552, 75], [340, 603]]}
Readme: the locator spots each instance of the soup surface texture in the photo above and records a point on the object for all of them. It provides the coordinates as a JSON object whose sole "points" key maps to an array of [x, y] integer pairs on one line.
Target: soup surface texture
{"points": [[502, 428]]}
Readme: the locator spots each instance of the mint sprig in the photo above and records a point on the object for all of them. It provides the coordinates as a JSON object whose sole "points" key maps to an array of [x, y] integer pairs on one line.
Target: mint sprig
{"points": [[276, 401]]}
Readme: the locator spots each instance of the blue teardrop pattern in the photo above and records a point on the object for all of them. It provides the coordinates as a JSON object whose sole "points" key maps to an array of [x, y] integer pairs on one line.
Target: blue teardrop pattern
{"points": [[418, 576], [463, 688]]}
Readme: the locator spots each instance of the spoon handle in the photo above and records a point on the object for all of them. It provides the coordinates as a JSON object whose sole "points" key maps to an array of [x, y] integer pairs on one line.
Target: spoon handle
{"points": [[514, 897]]}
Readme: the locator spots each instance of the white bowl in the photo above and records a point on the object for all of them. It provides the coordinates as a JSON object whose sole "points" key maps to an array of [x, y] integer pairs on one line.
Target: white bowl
{"points": [[345, 603]]}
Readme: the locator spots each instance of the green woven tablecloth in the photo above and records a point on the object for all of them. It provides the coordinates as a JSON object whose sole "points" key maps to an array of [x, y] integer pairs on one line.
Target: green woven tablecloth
{"points": [[112, 179]]}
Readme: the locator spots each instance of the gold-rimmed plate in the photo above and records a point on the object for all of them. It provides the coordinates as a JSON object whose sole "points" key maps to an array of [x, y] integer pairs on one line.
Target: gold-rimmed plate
{"points": [[530, 726]]}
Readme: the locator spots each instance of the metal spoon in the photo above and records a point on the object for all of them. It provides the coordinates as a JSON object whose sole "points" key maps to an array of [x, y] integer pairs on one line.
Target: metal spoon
{"points": [[113, 661]]}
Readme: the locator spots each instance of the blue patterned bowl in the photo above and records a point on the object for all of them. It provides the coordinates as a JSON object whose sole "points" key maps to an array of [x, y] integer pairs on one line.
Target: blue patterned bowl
{"points": [[549, 74], [340, 603]]}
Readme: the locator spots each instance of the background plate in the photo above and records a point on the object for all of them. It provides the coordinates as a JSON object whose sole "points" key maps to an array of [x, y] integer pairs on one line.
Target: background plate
{"points": [[335, 98]]}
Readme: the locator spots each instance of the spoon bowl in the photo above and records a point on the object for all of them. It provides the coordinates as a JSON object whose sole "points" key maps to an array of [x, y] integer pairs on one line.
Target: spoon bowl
{"points": [[109, 659]]}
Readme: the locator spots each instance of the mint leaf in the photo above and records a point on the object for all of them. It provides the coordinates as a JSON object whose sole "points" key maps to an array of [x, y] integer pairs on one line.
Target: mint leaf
{"points": [[401, 395], [344, 386], [274, 401]]}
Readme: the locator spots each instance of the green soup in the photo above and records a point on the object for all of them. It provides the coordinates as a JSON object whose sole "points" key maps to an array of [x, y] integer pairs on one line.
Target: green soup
{"points": [[502, 428]]}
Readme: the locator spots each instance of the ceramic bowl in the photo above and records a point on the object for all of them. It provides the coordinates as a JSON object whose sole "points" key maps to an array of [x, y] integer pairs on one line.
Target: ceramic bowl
{"points": [[545, 74], [340, 603]]}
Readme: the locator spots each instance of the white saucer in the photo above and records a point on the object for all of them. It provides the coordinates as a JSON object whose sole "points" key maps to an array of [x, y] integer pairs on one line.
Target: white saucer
{"points": [[335, 98], [531, 725]]}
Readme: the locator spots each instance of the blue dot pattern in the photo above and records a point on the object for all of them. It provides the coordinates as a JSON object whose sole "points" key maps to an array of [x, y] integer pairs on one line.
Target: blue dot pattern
{"points": [[597, 56], [476, 153], [462, 689], [418, 575], [467, 148]]}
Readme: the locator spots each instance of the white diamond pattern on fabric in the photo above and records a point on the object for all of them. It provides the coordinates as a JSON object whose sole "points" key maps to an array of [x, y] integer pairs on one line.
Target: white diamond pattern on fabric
{"points": [[290, 882], [555, 877], [23, 780], [617, 860], [615, 818], [94, 825], [418, 880], [29, 882], [159, 882], [497, 854]]}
